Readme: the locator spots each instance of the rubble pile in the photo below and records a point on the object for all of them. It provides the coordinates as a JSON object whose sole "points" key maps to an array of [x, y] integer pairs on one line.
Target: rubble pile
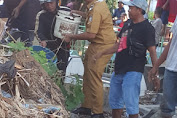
{"points": [[33, 93], [41, 86], [151, 98], [11, 108]]}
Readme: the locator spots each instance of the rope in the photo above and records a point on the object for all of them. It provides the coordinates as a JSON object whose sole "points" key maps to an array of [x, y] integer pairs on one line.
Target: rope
{"points": [[58, 50]]}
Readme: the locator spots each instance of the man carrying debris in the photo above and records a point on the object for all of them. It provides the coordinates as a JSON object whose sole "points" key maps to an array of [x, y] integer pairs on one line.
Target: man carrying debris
{"points": [[17, 15], [136, 37], [45, 22], [99, 31], [170, 77], [22, 15]]}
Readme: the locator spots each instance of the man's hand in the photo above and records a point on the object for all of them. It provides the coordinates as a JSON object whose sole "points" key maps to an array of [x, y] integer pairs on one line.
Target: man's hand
{"points": [[96, 56], [156, 83], [15, 12], [152, 74], [67, 37], [43, 44], [74, 11], [164, 6], [83, 14], [152, 77]]}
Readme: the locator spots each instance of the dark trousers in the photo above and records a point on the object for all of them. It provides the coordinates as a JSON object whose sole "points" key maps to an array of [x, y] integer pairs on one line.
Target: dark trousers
{"points": [[62, 55]]}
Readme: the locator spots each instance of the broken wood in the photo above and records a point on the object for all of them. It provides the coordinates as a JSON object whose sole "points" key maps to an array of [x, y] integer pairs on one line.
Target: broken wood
{"points": [[11, 36], [17, 93], [18, 66], [23, 79]]}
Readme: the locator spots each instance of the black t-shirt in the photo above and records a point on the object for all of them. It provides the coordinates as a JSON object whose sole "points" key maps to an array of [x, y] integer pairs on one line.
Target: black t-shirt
{"points": [[27, 17], [21, 21], [11, 4], [135, 39], [32, 8]]}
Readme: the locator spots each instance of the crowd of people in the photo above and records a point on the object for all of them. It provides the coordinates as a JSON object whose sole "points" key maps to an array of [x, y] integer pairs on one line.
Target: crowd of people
{"points": [[136, 36], [117, 13]]}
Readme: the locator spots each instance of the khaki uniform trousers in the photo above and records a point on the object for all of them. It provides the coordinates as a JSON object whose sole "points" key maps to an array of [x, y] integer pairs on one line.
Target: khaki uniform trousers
{"points": [[92, 83]]}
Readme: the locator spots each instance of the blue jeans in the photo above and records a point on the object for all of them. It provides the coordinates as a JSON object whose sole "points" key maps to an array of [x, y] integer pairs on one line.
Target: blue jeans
{"points": [[125, 89], [169, 93], [164, 17]]}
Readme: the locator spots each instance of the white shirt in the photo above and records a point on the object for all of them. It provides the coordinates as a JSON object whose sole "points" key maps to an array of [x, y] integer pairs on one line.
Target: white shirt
{"points": [[157, 24], [171, 62]]}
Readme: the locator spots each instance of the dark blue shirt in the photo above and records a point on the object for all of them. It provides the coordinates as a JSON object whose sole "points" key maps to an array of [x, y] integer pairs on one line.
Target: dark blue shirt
{"points": [[118, 12]]}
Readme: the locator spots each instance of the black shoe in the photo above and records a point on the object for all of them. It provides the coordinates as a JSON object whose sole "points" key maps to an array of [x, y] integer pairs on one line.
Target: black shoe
{"points": [[82, 111], [97, 116]]}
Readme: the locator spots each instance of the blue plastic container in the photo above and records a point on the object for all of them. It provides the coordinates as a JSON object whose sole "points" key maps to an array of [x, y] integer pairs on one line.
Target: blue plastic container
{"points": [[49, 53]]}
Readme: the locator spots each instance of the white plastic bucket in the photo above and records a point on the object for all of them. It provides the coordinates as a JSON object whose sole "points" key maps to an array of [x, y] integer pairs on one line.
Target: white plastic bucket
{"points": [[64, 8], [63, 13], [66, 24]]}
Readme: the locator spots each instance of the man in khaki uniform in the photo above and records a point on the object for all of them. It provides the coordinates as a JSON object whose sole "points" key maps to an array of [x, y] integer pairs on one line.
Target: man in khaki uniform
{"points": [[99, 31]]}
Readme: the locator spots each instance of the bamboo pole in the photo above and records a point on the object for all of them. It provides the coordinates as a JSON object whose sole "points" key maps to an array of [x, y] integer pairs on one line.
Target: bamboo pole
{"points": [[11, 36]]}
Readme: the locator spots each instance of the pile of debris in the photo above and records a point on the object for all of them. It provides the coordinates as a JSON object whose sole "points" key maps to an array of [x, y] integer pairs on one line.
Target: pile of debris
{"points": [[10, 108], [150, 104], [151, 98], [31, 92]]}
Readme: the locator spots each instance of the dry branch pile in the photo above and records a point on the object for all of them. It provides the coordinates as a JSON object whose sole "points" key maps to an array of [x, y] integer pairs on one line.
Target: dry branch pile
{"points": [[11, 108], [31, 86]]}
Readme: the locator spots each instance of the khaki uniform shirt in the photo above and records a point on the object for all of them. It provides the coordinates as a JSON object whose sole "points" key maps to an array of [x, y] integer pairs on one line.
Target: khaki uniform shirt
{"points": [[99, 22]]}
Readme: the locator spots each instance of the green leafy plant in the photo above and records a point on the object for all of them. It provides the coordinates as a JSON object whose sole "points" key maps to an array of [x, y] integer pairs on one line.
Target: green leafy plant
{"points": [[18, 46], [111, 4], [74, 96], [151, 15], [50, 68], [39, 56]]}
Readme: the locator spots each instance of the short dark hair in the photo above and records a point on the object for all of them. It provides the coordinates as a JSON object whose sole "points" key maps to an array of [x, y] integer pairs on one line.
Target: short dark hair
{"points": [[143, 11], [120, 2], [158, 11]]}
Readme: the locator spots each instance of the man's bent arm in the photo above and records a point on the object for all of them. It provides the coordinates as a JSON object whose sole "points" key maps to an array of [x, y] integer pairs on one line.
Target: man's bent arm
{"points": [[153, 54], [22, 2], [83, 14], [83, 36], [111, 50]]}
